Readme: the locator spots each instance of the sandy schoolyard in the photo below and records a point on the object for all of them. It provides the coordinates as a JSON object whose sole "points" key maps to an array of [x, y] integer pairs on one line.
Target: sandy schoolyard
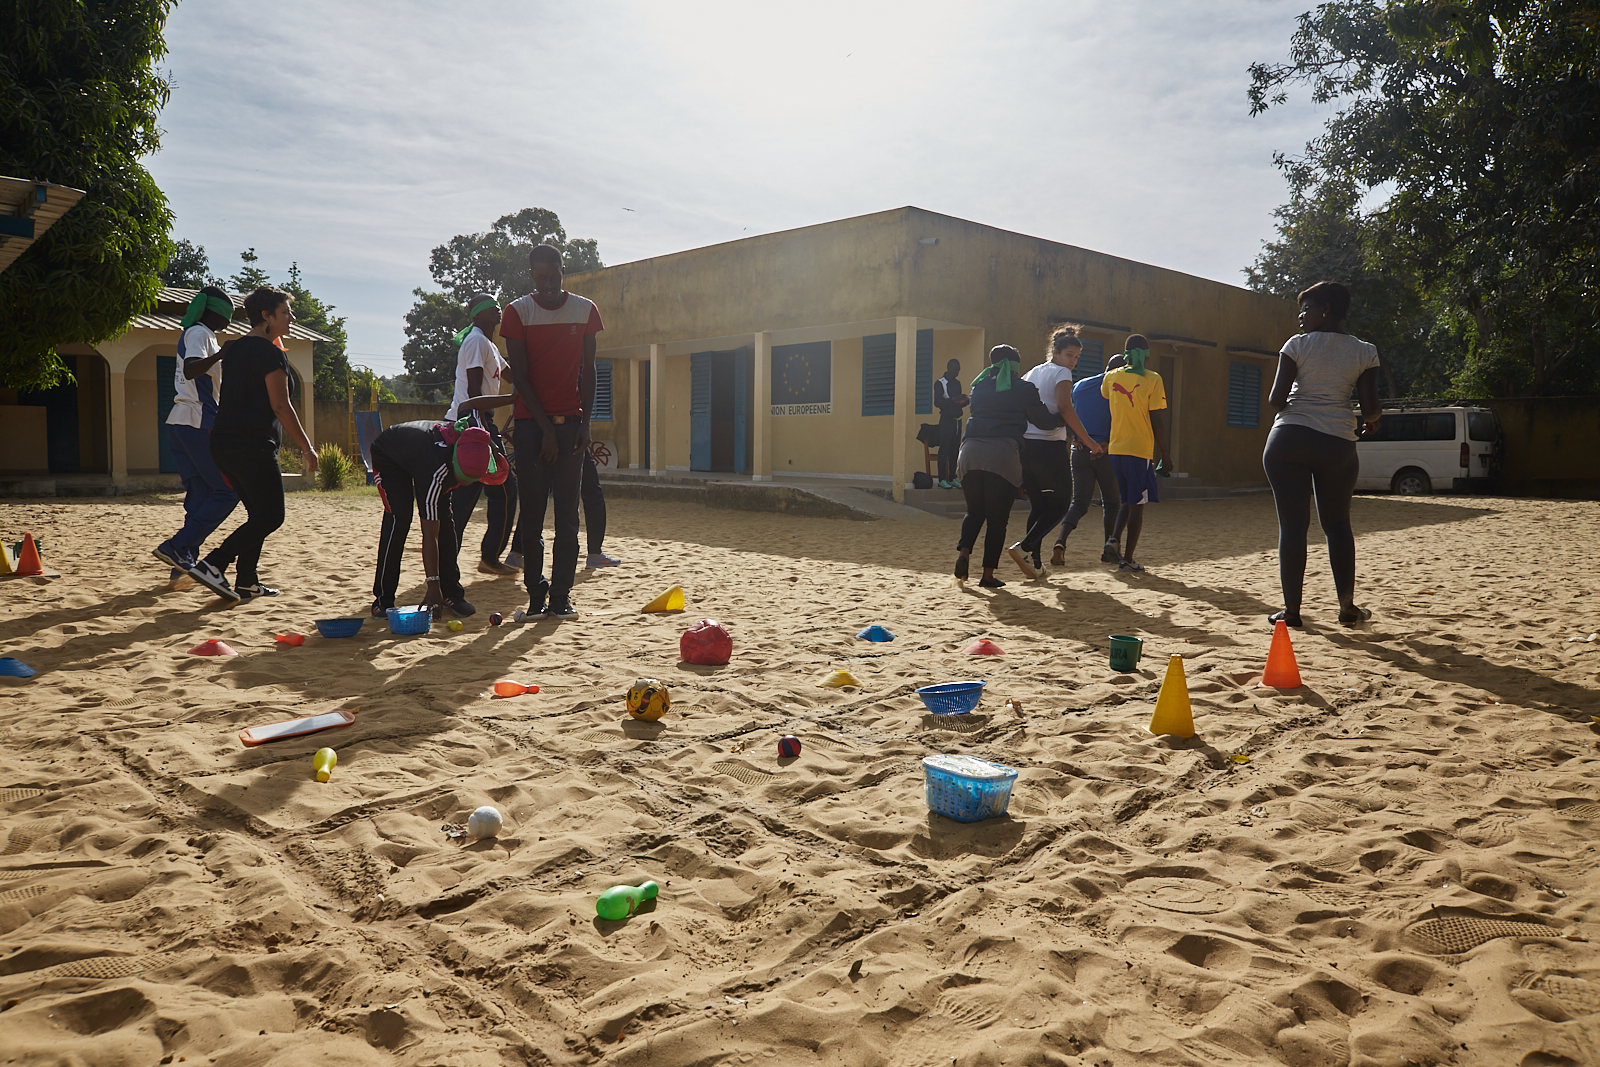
{"points": [[1398, 868]]}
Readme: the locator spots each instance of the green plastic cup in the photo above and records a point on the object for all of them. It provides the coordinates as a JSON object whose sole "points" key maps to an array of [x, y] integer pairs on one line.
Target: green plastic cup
{"points": [[1125, 652]]}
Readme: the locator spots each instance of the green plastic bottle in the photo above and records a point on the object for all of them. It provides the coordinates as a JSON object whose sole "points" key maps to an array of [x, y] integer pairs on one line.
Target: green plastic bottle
{"points": [[621, 901]]}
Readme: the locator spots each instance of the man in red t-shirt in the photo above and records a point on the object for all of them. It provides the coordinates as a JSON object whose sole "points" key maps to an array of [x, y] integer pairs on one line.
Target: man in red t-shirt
{"points": [[550, 336]]}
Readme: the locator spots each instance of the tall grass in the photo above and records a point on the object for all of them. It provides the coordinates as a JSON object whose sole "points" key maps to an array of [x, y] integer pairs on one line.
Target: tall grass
{"points": [[334, 468]]}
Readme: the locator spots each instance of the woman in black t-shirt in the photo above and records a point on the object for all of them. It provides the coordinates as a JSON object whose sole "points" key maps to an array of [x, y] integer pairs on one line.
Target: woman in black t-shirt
{"points": [[252, 413]]}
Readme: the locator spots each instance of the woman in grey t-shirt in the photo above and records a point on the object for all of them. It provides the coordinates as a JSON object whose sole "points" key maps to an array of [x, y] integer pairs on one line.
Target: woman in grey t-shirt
{"points": [[1312, 446]]}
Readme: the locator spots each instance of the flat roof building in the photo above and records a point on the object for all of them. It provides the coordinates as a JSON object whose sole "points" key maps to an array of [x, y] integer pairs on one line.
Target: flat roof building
{"points": [[813, 351]]}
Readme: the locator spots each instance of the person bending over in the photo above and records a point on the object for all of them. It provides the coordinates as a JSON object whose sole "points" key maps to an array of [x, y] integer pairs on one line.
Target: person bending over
{"points": [[1046, 463], [419, 464], [1090, 468], [1312, 446], [197, 384], [252, 415], [990, 463], [1137, 430]]}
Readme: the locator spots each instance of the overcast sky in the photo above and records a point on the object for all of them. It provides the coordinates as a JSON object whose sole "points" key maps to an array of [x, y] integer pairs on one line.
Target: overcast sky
{"points": [[353, 137]]}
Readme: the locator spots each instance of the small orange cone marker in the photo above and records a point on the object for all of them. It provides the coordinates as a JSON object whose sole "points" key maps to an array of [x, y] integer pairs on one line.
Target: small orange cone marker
{"points": [[212, 648], [1173, 714], [671, 600], [984, 647], [1282, 672], [28, 561]]}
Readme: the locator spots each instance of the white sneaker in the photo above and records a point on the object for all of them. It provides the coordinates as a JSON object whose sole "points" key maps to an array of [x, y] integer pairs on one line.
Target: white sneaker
{"points": [[212, 579], [514, 559]]}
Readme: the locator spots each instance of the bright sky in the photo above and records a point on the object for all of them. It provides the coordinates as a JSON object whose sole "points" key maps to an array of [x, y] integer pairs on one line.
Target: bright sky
{"points": [[353, 137]]}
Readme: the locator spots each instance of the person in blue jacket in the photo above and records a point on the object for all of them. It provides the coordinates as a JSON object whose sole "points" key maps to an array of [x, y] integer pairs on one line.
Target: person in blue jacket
{"points": [[1003, 403], [1089, 470]]}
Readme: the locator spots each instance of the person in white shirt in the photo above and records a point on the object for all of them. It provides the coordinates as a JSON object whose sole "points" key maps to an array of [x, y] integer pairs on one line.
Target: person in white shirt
{"points": [[1046, 458], [197, 379], [479, 368]]}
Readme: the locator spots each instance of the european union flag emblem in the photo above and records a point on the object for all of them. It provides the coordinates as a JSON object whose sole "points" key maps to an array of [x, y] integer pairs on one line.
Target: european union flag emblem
{"points": [[802, 374]]}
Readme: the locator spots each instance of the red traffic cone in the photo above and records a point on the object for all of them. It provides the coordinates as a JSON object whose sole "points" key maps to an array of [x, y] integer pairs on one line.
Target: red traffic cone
{"points": [[1282, 672], [212, 648], [984, 647], [28, 561]]}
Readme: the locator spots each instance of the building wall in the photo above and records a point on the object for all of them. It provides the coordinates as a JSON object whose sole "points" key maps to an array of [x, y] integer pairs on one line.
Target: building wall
{"points": [[139, 383], [1007, 287]]}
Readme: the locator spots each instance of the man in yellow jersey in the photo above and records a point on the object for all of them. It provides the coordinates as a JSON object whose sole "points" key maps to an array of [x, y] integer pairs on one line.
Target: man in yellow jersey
{"points": [[1137, 429]]}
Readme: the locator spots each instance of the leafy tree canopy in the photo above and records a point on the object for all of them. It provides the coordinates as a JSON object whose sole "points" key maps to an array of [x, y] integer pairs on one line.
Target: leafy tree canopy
{"points": [[79, 96], [1479, 123], [495, 261], [189, 267]]}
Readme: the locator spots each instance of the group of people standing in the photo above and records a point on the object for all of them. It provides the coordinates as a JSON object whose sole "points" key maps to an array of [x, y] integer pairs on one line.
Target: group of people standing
{"points": [[1057, 440], [226, 430]]}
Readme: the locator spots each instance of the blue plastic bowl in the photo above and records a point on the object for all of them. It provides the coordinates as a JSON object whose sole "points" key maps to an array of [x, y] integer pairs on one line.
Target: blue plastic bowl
{"points": [[339, 627], [952, 698], [409, 623]]}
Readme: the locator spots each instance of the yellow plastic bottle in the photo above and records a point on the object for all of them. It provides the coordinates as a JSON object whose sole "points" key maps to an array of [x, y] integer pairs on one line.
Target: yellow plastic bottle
{"points": [[325, 760]]}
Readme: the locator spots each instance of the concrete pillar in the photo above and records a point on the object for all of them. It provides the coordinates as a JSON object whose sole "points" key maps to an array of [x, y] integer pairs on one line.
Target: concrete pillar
{"points": [[905, 400], [658, 408], [117, 431], [635, 415], [761, 432]]}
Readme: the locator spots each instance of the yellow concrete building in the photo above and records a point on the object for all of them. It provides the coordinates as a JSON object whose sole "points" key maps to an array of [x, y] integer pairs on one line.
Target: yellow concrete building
{"points": [[111, 422], [813, 351]]}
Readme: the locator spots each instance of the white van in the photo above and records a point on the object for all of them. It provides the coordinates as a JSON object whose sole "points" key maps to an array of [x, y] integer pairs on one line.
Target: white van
{"points": [[1422, 447]]}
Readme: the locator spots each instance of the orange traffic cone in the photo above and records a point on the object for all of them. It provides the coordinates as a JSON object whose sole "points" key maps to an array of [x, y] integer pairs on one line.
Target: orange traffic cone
{"points": [[1173, 714], [28, 561], [1282, 672]]}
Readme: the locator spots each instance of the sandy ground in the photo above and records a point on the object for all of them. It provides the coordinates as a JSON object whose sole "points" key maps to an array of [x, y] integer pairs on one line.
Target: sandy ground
{"points": [[1404, 871]]}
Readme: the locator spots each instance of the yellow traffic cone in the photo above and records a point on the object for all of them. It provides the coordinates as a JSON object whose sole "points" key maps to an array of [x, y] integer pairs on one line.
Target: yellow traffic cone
{"points": [[1173, 714], [671, 600], [839, 680], [5, 561]]}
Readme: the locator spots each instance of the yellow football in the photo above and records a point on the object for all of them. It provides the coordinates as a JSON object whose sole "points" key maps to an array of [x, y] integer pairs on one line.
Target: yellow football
{"points": [[648, 699]]}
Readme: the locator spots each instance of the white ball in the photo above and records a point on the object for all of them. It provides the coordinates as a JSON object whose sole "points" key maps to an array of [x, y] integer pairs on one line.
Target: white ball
{"points": [[485, 822]]}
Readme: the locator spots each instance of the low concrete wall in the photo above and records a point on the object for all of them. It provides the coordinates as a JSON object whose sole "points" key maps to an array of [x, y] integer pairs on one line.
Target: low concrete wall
{"points": [[1552, 446]]}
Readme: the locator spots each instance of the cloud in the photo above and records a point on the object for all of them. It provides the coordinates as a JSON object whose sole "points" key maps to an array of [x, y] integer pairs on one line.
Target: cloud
{"points": [[354, 137]]}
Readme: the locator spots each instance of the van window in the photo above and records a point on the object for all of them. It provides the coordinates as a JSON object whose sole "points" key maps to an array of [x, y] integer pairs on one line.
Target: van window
{"points": [[1438, 426], [1481, 426]]}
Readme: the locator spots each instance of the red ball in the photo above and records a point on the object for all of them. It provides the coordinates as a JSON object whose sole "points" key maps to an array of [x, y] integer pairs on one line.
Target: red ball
{"points": [[788, 745], [706, 643]]}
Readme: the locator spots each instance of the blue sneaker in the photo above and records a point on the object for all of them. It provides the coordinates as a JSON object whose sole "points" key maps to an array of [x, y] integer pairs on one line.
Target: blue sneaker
{"points": [[173, 556]]}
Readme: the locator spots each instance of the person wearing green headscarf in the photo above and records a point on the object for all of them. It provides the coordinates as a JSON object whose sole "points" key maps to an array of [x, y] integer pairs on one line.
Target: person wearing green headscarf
{"points": [[1138, 428], [208, 499], [479, 370]]}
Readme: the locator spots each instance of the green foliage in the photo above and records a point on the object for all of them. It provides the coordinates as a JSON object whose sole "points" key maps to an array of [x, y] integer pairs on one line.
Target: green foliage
{"points": [[330, 365], [252, 277], [334, 468], [189, 267], [1479, 122], [79, 97], [496, 262], [370, 388]]}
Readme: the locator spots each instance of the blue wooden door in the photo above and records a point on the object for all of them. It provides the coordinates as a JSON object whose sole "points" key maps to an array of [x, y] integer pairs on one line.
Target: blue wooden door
{"points": [[166, 396], [741, 410], [700, 411]]}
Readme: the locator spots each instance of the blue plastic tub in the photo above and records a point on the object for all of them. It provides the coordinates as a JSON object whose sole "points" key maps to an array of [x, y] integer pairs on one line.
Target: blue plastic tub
{"points": [[966, 788], [952, 698], [339, 627], [409, 623]]}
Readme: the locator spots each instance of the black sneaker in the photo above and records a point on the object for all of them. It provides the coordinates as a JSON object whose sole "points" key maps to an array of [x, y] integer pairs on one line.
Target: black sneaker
{"points": [[561, 609], [1111, 553], [250, 592], [381, 606], [461, 606], [962, 564], [212, 579], [536, 607]]}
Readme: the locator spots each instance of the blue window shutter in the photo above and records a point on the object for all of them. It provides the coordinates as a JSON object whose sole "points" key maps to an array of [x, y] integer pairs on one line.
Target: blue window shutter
{"points": [[1092, 362], [602, 391], [877, 374], [1244, 395], [924, 372]]}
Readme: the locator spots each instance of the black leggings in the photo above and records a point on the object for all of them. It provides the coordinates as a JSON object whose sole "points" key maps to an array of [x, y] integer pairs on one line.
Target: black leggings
{"points": [[252, 472], [989, 500], [1299, 460]]}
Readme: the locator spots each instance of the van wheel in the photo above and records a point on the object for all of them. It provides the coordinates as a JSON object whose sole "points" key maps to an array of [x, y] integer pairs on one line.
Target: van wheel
{"points": [[1412, 482]]}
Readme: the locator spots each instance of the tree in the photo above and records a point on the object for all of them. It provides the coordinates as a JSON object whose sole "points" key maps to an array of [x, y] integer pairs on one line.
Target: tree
{"points": [[252, 277], [330, 364], [189, 268], [1479, 120], [369, 387], [79, 97], [495, 262], [1322, 235]]}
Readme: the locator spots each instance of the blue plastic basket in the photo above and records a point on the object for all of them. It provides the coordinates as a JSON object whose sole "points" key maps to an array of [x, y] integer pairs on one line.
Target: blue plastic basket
{"points": [[966, 788], [952, 698], [339, 627], [409, 623]]}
